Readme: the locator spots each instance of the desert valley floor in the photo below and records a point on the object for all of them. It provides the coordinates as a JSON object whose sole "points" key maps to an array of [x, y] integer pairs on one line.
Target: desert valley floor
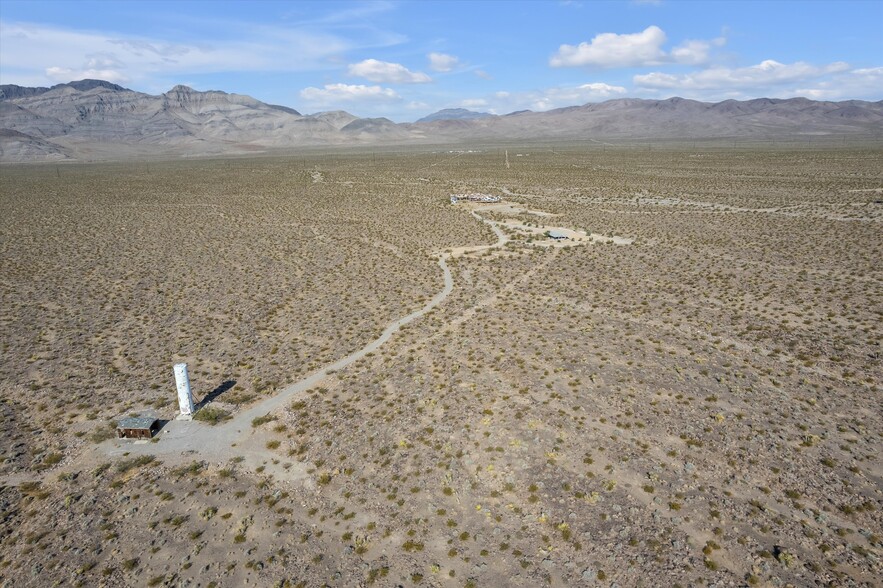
{"points": [[683, 390]]}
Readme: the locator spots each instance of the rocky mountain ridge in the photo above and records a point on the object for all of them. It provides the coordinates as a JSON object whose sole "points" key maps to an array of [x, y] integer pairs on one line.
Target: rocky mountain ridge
{"points": [[95, 119]]}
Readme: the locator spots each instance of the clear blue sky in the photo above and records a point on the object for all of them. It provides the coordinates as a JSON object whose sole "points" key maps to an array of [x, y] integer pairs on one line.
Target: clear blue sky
{"points": [[404, 60]]}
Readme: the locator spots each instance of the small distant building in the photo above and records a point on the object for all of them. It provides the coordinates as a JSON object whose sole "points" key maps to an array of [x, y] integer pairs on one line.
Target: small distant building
{"points": [[556, 235], [137, 428], [475, 197]]}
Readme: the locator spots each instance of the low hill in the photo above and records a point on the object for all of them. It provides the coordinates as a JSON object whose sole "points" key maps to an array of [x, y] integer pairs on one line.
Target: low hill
{"points": [[454, 114]]}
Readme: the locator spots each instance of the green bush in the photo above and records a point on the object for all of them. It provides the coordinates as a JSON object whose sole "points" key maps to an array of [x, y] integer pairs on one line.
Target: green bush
{"points": [[212, 415]]}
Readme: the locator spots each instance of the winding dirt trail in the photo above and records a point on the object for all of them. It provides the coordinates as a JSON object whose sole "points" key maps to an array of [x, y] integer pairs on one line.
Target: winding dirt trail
{"points": [[232, 436], [184, 441], [236, 437]]}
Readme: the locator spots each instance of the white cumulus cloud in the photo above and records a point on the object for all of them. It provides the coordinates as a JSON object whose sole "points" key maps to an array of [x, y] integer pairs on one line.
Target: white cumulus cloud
{"points": [[763, 75], [442, 62], [858, 83], [384, 72], [613, 50], [694, 52], [331, 94], [633, 50], [869, 71]]}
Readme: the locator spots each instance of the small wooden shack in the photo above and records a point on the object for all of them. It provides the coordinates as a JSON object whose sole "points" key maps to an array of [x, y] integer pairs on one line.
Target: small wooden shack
{"points": [[137, 428], [556, 235]]}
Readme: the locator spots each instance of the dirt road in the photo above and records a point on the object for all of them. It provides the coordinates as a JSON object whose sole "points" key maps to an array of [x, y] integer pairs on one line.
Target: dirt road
{"points": [[188, 440]]}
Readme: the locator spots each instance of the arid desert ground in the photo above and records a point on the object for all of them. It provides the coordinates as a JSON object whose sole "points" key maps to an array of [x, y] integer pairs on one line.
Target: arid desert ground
{"points": [[685, 391]]}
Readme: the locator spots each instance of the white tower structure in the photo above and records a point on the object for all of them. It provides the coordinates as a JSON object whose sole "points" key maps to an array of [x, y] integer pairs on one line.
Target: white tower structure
{"points": [[185, 397]]}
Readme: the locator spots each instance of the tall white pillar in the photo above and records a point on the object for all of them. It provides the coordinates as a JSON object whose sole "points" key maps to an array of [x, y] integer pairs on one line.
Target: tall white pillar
{"points": [[185, 397]]}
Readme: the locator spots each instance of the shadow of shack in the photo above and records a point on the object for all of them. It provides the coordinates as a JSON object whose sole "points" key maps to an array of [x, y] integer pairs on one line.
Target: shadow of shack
{"points": [[137, 428]]}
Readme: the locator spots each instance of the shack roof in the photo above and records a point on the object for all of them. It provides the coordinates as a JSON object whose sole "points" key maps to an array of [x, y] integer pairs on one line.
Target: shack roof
{"points": [[136, 423], [556, 234]]}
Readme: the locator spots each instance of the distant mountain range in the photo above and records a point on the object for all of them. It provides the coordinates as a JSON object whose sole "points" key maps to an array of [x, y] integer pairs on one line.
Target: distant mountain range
{"points": [[454, 114], [95, 119]]}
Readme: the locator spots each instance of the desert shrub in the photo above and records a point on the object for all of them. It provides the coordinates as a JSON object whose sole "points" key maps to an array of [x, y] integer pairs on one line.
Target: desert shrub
{"points": [[257, 422], [212, 415], [135, 462]]}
